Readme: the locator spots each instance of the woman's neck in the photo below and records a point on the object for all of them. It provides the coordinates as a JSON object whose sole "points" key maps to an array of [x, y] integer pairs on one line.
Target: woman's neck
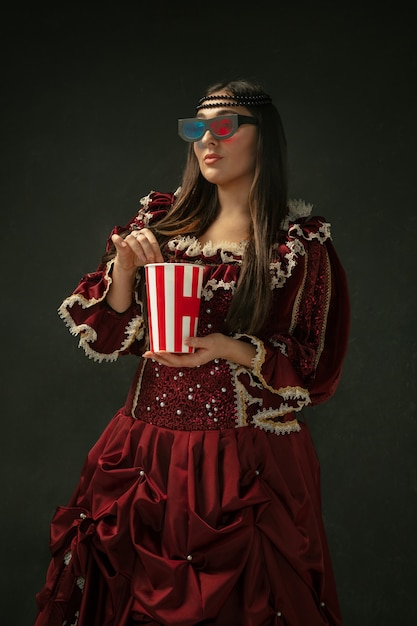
{"points": [[234, 202], [233, 221]]}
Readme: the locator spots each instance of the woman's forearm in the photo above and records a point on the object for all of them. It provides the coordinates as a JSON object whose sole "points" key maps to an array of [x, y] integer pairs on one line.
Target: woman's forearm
{"points": [[120, 294], [238, 351]]}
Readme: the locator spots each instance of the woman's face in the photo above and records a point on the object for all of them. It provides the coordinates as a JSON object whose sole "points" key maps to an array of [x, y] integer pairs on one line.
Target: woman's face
{"points": [[227, 162]]}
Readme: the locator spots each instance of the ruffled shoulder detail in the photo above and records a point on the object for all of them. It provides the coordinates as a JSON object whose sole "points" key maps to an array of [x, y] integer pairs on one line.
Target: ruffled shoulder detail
{"points": [[153, 207], [297, 208], [315, 227], [300, 222], [299, 228]]}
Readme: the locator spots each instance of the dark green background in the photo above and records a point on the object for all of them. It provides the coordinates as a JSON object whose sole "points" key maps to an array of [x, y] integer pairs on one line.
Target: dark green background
{"points": [[90, 99]]}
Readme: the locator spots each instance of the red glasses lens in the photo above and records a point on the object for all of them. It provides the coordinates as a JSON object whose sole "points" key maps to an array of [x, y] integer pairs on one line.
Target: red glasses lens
{"points": [[222, 127]]}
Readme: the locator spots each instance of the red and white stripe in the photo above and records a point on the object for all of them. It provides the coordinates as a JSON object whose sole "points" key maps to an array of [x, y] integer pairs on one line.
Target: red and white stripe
{"points": [[173, 295]]}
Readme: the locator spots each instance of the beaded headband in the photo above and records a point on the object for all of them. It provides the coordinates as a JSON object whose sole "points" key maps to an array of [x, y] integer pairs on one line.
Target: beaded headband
{"points": [[224, 100]]}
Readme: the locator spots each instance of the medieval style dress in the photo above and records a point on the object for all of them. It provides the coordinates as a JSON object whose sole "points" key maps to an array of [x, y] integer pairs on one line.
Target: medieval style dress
{"points": [[200, 502]]}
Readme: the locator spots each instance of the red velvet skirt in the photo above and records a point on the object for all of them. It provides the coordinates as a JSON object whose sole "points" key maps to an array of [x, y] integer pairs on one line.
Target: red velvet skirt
{"points": [[179, 528]]}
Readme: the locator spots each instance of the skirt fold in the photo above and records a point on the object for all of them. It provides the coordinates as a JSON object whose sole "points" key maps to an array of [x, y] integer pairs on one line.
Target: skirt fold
{"points": [[183, 528]]}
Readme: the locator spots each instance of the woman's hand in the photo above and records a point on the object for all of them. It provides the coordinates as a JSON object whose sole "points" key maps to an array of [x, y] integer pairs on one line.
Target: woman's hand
{"points": [[208, 348], [137, 249]]}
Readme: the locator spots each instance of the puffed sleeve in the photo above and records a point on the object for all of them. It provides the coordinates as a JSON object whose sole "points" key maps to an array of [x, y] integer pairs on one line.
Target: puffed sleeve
{"points": [[299, 358], [103, 333]]}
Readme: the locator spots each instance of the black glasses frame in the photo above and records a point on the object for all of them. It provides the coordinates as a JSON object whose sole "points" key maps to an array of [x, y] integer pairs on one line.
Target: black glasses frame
{"points": [[206, 124]]}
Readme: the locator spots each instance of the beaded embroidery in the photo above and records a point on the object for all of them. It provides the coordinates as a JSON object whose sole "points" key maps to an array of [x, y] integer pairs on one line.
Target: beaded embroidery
{"points": [[228, 395]]}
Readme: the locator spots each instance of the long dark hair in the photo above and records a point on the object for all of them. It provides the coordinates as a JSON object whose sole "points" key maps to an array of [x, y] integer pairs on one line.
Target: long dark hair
{"points": [[197, 207]]}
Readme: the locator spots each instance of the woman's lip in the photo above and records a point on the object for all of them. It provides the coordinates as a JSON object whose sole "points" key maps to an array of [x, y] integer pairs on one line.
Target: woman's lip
{"points": [[212, 157]]}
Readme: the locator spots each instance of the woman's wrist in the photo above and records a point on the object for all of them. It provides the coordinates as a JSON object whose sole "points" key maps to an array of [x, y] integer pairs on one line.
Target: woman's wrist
{"points": [[120, 294], [238, 351], [124, 272]]}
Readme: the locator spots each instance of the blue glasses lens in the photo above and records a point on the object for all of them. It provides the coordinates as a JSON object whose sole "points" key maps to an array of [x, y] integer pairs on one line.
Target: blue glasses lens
{"points": [[194, 129]]}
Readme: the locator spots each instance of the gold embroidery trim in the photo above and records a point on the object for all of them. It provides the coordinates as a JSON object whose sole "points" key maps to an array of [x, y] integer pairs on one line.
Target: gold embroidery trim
{"points": [[297, 300], [326, 309]]}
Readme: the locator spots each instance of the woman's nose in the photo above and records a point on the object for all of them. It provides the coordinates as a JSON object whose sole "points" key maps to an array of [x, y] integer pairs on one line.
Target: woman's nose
{"points": [[208, 137]]}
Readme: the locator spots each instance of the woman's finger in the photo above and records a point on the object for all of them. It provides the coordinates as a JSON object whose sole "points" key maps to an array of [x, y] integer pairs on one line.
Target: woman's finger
{"points": [[146, 245]]}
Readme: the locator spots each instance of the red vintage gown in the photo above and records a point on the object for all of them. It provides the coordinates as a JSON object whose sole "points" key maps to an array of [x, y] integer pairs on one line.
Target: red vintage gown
{"points": [[200, 502]]}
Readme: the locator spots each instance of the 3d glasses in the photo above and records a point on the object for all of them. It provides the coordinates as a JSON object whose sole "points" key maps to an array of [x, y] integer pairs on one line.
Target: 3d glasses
{"points": [[221, 127]]}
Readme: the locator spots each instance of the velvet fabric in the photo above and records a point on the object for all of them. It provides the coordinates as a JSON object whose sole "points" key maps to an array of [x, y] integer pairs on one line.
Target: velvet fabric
{"points": [[200, 502]]}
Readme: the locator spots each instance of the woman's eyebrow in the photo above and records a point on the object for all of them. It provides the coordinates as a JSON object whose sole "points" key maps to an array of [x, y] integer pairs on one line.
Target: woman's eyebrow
{"points": [[220, 112]]}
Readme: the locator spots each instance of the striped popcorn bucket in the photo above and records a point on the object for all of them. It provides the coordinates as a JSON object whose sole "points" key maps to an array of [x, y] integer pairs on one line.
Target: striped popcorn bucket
{"points": [[173, 296]]}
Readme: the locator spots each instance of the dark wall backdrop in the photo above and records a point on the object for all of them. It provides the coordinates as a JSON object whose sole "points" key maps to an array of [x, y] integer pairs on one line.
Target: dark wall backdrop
{"points": [[90, 99]]}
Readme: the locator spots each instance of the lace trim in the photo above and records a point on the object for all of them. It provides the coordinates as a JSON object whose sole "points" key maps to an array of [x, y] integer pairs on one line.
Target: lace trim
{"points": [[281, 271], [297, 209], [293, 393], [322, 234], [228, 250], [146, 211], [134, 330], [212, 285], [138, 387], [267, 419], [143, 214], [145, 201]]}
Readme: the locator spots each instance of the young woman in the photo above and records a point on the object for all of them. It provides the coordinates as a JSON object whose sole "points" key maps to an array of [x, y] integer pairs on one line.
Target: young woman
{"points": [[200, 502]]}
